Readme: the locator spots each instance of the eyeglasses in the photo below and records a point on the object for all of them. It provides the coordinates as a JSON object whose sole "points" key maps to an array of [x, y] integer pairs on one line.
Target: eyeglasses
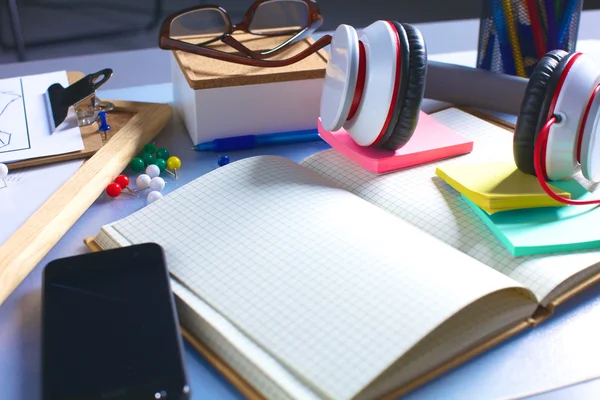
{"points": [[193, 29]]}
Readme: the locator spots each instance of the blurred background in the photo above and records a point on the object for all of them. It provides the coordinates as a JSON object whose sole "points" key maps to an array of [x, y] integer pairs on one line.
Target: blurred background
{"points": [[63, 28]]}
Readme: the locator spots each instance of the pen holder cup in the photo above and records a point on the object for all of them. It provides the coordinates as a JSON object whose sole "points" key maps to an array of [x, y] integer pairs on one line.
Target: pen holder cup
{"points": [[515, 34]]}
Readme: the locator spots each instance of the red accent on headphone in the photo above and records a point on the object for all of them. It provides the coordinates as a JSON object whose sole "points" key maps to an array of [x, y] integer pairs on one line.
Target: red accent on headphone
{"points": [[360, 80], [539, 151], [559, 86], [537, 164], [584, 120], [396, 83]]}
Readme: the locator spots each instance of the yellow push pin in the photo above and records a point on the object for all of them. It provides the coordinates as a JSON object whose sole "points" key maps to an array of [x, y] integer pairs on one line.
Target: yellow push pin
{"points": [[173, 164]]}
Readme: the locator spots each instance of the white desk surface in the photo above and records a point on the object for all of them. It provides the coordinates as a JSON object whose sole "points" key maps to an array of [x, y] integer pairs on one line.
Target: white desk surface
{"points": [[558, 354]]}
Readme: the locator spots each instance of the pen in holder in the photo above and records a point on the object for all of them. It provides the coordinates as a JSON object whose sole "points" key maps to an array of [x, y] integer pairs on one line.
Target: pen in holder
{"points": [[515, 34]]}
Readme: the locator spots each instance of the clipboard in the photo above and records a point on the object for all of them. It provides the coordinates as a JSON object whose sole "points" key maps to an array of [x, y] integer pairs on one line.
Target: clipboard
{"points": [[92, 140], [135, 124]]}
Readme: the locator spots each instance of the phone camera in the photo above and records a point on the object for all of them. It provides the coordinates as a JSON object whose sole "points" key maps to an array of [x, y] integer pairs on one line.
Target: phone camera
{"points": [[160, 395]]}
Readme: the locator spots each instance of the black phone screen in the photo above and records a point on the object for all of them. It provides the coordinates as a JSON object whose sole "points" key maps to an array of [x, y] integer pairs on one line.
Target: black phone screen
{"points": [[109, 328]]}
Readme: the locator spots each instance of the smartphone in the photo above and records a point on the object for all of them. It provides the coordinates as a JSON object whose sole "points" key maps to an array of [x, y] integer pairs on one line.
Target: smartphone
{"points": [[110, 329]]}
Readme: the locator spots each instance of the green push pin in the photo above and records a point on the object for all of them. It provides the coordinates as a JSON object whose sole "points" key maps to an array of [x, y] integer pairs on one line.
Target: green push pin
{"points": [[148, 159], [163, 153], [137, 164], [161, 164], [150, 148]]}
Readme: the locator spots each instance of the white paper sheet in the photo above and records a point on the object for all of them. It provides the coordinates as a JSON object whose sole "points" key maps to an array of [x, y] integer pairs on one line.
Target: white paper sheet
{"points": [[27, 189], [25, 128]]}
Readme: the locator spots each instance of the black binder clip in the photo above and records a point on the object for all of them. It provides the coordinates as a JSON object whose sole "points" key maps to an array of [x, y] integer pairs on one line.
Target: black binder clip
{"points": [[60, 98]]}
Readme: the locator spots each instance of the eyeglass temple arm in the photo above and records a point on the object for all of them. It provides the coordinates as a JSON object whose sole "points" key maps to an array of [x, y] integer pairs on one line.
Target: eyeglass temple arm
{"points": [[316, 46], [231, 41], [220, 55]]}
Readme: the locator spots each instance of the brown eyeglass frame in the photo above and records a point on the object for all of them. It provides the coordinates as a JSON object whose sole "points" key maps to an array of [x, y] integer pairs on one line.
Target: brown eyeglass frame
{"points": [[253, 58]]}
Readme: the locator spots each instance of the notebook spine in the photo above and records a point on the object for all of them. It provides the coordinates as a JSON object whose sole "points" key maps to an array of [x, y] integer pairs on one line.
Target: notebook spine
{"points": [[110, 238]]}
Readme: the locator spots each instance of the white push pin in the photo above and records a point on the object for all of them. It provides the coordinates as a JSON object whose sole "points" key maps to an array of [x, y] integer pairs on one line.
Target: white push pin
{"points": [[157, 183], [142, 182], [3, 173], [152, 170], [153, 196]]}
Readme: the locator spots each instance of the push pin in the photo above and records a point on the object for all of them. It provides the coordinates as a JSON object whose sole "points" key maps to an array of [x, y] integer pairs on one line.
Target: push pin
{"points": [[137, 164], [147, 158], [143, 182], [3, 173], [163, 153], [173, 164], [153, 196], [157, 183], [103, 125], [150, 148], [115, 188], [161, 164], [223, 160], [152, 170], [123, 181]]}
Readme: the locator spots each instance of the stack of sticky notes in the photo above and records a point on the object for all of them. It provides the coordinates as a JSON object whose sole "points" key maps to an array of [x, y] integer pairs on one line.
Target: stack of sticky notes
{"points": [[498, 186], [518, 211]]}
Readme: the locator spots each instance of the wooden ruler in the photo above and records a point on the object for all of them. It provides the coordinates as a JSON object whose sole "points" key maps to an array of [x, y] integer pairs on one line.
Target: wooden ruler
{"points": [[20, 254]]}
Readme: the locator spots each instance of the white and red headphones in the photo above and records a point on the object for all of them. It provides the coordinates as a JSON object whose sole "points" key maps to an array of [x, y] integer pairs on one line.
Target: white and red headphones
{"points": [[375, 82], [556, 132]]}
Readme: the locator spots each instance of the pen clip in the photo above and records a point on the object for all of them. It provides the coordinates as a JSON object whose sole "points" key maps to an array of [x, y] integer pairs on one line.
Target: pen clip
{"points": [[60, 98]]}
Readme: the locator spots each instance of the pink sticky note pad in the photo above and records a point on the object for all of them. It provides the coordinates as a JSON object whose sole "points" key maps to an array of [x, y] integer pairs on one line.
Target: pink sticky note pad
{"points": [[431, 141]]}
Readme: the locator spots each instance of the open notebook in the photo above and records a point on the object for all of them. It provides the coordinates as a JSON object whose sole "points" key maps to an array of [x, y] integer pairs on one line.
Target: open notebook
{"points": [[324, 280]]}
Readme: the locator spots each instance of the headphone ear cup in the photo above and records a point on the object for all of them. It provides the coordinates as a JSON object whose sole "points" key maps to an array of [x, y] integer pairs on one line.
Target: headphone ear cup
{"points": [[535, 107], [411, 89], [341, 76]]}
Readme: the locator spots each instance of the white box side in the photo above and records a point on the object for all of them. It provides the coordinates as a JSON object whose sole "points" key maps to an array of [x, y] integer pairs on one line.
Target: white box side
{"points": [[214, 113], [184, 100]]}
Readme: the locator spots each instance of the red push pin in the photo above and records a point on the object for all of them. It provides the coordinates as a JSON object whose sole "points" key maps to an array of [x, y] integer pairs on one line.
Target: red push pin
{"points": [[114, 189], [123, 181]]}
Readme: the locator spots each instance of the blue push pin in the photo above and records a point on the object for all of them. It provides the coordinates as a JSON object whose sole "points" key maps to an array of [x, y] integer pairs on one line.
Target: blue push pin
{"points": [[223, 160], [103, 125]]}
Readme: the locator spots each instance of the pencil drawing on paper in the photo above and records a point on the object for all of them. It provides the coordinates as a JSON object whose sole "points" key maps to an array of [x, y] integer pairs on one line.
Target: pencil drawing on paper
{"points": [[10, 106], [4, 139]]}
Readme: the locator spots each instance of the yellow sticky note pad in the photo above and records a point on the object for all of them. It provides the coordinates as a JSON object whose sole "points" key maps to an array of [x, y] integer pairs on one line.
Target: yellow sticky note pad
{"points": [[498, 186]]}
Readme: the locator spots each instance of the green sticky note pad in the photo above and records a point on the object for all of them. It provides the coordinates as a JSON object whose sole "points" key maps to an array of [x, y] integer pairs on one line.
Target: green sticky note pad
{"points": [[547, 229]]}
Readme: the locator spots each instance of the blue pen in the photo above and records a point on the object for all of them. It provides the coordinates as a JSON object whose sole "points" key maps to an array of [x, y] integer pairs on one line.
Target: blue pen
{"points": [[252, 141]]}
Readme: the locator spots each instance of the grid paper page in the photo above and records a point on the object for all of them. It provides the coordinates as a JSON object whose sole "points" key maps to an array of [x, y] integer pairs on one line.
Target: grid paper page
{"points": [[310, 272], [418, 196], [234, 348], [479, 322]]}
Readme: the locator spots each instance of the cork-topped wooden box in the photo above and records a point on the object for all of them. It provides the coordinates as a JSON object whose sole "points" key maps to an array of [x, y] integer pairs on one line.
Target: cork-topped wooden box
{"points": [[218, 99]]}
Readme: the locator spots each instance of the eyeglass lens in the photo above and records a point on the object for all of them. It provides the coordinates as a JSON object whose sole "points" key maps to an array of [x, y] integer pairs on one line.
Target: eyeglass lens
{"points": [[279, 16], [270, 18], [199, 26]]}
